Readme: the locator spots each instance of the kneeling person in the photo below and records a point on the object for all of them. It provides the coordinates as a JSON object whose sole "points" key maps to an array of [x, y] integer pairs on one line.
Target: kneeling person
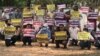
{"points": [[61, 36], [85, 39]]}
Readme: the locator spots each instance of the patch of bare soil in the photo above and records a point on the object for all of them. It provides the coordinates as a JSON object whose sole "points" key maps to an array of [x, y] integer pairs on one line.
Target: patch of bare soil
{"points": [[35, 50]]}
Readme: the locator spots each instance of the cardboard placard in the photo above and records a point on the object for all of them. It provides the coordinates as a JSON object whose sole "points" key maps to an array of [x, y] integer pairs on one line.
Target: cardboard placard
{"points": [[61, 6], [83, 36], [74, 22], [58, 22], [2, 25], [9, 30], [27, 20], [49, 21], [36, 7], [29, 32], [16, 22], [92, 15], [60, 35], [90, 25], [97, 34], [40, 12], [84, 10], [42, 36], [51, 7], [37, 24], [27, 15]]}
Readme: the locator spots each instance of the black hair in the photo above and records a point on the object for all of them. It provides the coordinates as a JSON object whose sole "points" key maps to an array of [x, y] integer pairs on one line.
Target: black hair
{"points": [[58, 28], [61, 25], [85, 29], [75, 8], [29, 25]]}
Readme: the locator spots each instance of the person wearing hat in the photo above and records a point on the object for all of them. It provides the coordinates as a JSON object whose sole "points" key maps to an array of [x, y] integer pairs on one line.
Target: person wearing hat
{"points": [[45, 30]]}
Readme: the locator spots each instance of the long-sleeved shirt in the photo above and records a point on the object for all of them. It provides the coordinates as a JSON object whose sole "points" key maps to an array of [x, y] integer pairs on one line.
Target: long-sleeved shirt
{"points": [[45, 30], [73, 32]]}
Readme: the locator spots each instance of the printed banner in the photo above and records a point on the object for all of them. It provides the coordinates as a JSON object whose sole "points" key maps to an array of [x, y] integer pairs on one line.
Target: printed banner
{"points": [[29, 32], [40, 12], [58, 22], [2, 25], [93, 15], [42, 36], [27, 14], [61, 6], [74, 22], [27, 20], [61, 35], [97, 34], [51, 7], [49, 21], [90, 25], [16, 22], [9, 30], [83, 36], [66, 10], [84, 10], [37, 24], [36, 7]]}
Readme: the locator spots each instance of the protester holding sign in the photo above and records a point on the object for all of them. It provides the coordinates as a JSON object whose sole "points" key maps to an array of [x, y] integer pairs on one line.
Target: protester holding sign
{"points": [[16, 36], [61, 36], [85, 39], [44, 35], [9, 32], [28, 34], [59, 15], [97, 38], [50, 23], [75, 14]]}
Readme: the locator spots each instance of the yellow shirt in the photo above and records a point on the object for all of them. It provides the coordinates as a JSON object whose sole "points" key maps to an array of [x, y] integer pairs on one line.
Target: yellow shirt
{"points": [[75, 15]]}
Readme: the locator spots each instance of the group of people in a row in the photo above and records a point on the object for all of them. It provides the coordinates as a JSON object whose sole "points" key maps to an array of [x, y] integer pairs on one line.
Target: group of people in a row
{"points": [[69, 36], [46, 33]]}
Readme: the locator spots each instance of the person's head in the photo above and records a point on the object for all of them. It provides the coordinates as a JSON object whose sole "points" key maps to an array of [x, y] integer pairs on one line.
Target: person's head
{"points": [[75, 8], [85, 29], [73, 26], [8, 24], [45, 25], [61, 10], [61, 27], [28, 26]]}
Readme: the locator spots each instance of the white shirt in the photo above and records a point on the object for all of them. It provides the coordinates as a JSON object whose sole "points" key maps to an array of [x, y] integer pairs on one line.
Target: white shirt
{"points": [[5, 15], [73, 32]]}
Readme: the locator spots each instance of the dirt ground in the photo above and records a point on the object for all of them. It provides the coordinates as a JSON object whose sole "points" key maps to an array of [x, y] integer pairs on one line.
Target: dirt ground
{"points": [[35, 50]]}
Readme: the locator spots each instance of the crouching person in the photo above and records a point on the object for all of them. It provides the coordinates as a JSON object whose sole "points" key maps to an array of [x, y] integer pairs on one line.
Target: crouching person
{"points": [[85, 39], [44, 35], [15, 37], [9, 32], [97, 40], [28, 34], [61, 36]]}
